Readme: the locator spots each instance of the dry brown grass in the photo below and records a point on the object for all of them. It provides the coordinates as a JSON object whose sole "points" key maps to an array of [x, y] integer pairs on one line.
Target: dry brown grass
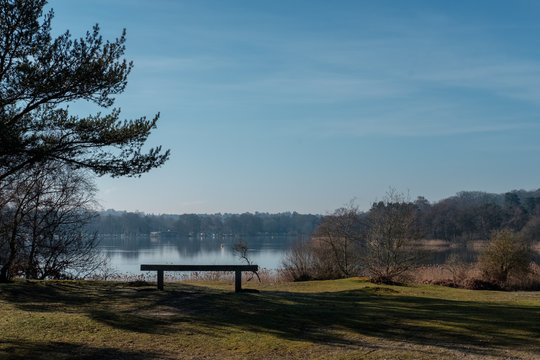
{"points": [[460, 275], [266, 276], [433, 243], [435, 273]]}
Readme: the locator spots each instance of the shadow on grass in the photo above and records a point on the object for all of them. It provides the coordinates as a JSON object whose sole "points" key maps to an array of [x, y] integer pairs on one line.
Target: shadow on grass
{"points": [[22, 350], [456, 325], [336, 318]]}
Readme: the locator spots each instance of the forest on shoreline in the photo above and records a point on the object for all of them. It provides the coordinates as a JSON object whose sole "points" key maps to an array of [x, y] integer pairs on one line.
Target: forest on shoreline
{"points": [[469, 215]]}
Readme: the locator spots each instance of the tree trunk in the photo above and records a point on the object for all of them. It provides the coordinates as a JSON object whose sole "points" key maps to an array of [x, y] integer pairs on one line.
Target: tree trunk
{"points": [[4, 274]]}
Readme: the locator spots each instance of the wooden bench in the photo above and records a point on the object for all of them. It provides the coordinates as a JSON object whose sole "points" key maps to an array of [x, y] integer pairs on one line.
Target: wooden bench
{"points": [[236, 268]]}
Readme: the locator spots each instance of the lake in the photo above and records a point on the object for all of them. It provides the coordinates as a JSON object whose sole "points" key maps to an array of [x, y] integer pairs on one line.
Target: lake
{"points": [[127, 253]]}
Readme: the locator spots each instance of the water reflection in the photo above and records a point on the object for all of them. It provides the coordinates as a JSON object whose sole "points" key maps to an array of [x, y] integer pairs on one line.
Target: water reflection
{"points": [[438, 256], [127, 253]]}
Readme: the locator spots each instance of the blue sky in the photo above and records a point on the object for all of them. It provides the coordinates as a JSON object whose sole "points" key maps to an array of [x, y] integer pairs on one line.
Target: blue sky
{"points": [[304, 105]]}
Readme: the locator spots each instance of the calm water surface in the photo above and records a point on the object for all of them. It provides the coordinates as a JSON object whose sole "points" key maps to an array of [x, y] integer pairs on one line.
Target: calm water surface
{"points": [[127, 253]]}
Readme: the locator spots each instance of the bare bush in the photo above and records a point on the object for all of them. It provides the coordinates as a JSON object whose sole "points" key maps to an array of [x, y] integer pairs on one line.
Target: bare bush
{"points": [[335, 250], [299, 263], [310, 261], [507, 255], [457, 267]]}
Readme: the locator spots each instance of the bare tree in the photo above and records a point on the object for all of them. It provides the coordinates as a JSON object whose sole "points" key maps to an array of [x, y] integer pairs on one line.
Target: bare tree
{"points": [[15, 199], [44, 212], [338, 238], [390, 238], [241, 249]]}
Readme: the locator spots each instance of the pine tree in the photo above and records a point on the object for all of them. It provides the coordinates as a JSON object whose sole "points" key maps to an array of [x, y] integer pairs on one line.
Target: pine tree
{"points": [[40, 75]]}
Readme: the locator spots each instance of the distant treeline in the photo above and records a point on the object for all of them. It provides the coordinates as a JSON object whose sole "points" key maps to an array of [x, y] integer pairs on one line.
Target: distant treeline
{"points": [[116, 222], [469, 215]]}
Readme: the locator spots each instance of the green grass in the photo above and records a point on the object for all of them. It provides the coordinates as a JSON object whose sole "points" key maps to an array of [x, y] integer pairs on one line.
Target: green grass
{"points": [[347, 319]]}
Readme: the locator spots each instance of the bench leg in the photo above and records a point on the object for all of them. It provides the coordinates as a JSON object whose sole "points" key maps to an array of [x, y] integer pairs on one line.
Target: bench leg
{"points": [[237, 281], [160, 279]]}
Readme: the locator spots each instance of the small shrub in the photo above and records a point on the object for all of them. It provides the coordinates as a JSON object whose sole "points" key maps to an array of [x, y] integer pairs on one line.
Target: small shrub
{"points": [[310, 261], [457, 267], [387, 280], [479, 284], [298, 264], [443, 282], [506, 256], [529, 282]]}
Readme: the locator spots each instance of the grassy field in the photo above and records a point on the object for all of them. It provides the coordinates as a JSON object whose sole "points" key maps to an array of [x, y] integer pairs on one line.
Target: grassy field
{"points": [[343, 319]]}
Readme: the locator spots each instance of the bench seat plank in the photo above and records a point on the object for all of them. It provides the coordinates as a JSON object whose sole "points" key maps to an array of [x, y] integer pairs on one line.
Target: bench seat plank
{"points": [[236, 268], [147, 267]]}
